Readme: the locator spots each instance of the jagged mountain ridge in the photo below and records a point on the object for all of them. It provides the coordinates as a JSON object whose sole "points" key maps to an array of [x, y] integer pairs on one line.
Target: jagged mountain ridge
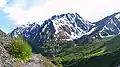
{"points": [[70, 26], [110, 25], [106, 27]]}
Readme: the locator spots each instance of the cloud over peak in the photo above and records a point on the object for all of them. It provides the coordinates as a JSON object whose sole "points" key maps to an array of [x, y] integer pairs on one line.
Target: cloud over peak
{"points": [[24, 11]]}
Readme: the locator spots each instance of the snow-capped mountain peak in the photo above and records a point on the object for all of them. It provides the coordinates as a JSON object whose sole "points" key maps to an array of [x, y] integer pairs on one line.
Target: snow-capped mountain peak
{"points": [[110, 25], [69, 26]]}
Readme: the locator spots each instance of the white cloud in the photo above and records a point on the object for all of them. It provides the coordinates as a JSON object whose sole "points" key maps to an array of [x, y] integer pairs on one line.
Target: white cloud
{"points": [[92, 10], [2, 3]]}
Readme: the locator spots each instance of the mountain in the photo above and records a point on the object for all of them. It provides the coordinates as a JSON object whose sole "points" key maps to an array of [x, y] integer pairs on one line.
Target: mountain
{"points": [[65, 26], [69, 27], [107, 27]]}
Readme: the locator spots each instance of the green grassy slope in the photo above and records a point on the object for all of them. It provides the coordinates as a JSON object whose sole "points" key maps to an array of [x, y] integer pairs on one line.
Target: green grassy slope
{"points": [[99, 53]]}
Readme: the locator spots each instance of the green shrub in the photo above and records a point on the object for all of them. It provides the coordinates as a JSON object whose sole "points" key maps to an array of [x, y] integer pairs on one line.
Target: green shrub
{"points": [[20, 49], [57, 60]]}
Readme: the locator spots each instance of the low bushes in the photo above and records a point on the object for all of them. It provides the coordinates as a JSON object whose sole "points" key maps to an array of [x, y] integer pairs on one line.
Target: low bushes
{"points": [[20, 49]]}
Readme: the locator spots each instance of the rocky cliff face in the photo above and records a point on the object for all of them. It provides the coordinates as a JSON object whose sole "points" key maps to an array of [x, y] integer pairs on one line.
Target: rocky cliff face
{"points": [[4, 55], [4, 58]]}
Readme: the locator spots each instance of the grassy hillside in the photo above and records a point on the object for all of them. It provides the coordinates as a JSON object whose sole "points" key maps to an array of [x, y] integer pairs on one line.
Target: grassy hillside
{"points": [[99, 53]]}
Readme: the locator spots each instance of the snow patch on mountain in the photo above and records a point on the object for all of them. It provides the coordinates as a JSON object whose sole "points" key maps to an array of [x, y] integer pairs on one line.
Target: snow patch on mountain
{"points": [[118, 16]]}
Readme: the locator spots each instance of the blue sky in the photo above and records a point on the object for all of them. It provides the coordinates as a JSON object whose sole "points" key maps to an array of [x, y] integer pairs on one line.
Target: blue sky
{"points": [[5, 23], [18, 12]]}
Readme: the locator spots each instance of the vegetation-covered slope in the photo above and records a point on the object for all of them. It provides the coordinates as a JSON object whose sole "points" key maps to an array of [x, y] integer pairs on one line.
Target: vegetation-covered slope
{"points": [[99, 53]]}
